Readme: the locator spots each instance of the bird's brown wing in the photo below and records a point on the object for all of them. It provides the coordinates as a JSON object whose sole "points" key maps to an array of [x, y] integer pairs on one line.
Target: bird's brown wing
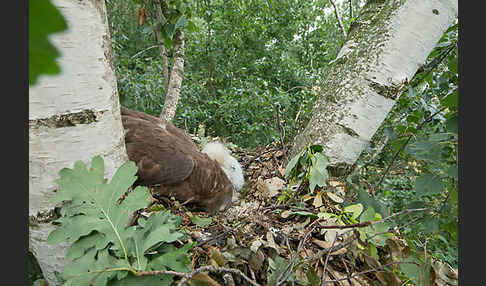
{"points": [[158, 154], [176, 132]]}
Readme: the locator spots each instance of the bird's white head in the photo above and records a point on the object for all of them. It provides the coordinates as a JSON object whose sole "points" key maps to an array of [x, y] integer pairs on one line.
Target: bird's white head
{"points": [[229, 164]]}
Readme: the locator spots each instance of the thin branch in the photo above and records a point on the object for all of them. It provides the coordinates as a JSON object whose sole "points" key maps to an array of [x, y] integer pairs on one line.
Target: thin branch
{"points": [[281, 130], [188, 276], [426, 120], [325, 262], [286, 273], [435, 62], [354, 276], [350, 10], [340, 23], [142, 51]]}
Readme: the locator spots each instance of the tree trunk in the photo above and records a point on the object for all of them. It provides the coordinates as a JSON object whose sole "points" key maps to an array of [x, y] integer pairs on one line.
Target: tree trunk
{"points": [[176, 74], [72, 116], [385, 46], [160, 42]]}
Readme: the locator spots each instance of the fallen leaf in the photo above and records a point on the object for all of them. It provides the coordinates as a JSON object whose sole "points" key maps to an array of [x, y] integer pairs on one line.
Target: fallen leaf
{"points": [[256, 245], [317, 201], [272, 186], [334, 197]]}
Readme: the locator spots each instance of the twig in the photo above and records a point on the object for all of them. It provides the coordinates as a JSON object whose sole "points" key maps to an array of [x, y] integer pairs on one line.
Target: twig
{"points": [[325, 262], [350, 11], [281, 130], [354, 276], [286, 273], [340, 23], [142, 51], [435, 63], [298, 113], [188, 276], [426, 120], [221, 234], [347, 269], [244, 165]]}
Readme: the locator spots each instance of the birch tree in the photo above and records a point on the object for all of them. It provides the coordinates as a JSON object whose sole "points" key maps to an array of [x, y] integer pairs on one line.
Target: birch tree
{"points": [[384, 48], [72, 116], [170, 20]]}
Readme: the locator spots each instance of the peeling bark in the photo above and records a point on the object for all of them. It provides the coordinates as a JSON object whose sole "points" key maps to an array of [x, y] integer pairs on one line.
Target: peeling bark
{"points": [[385, 46], [176, 74], [72, 116]]}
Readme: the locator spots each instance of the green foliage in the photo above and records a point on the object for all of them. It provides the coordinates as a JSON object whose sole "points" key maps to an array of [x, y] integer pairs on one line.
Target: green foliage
{"points": [[44, 19], [311, 165], [103, 249], [378, 233], [234, 76], [424, 175]]}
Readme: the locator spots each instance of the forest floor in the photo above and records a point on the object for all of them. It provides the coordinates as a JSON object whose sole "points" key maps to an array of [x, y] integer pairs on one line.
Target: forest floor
{"points": [[287, 241]]}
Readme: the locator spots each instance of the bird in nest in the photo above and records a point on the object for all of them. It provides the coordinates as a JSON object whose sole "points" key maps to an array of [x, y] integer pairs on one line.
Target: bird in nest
{"points": [[170, 163]]}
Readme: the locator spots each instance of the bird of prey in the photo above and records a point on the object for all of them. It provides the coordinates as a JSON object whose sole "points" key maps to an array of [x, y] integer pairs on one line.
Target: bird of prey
{"points": [[170, 163]]}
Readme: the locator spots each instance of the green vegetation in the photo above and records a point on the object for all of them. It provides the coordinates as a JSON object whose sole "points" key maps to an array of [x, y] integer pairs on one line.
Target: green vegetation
{"points": [[242, 57], [94, 221], [44, 19], [257, 54]]}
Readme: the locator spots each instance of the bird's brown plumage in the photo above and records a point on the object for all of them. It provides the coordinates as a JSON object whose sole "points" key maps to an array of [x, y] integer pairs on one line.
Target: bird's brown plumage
{"points": [[169, 161]]}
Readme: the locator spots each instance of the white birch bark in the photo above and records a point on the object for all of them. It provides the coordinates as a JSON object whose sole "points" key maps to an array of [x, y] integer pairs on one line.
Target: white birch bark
{"points": [[72, 116], [176, 74], [386, 45]]}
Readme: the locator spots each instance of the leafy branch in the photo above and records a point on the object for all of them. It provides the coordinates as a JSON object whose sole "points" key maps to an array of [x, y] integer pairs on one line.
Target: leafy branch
{"points": [[103, 249]]}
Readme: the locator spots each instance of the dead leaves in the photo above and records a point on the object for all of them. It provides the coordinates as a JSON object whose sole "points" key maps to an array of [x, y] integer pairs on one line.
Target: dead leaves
{"points": [[141, 16], [262, 238]]}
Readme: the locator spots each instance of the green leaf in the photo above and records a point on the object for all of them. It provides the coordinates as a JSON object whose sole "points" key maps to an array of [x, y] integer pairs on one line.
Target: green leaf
{"points": [[452, 100], [325, 215], [431, 224], [316, 149], [355, 210], [428, 184], [131, 280], [304, 213], [79, 247], [167, 38], [452, 123], [316, 179], [291, 164], [318, 174], [276, 266], [377, 232], [411, 269], [389, 133], [365, 199], [201, 221], [425, 149], [312, 277], [452, 65], [181, 22], [93, 203], [191, 27], [159, 228], [452, 171], [321, 163], [174, 258], [44, 19], [94, 268]]}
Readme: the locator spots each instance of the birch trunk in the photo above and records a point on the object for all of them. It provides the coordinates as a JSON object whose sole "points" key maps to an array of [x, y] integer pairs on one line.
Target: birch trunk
{"points": [[160, 42], [72, 116], [386, 45], [176, 74]]}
